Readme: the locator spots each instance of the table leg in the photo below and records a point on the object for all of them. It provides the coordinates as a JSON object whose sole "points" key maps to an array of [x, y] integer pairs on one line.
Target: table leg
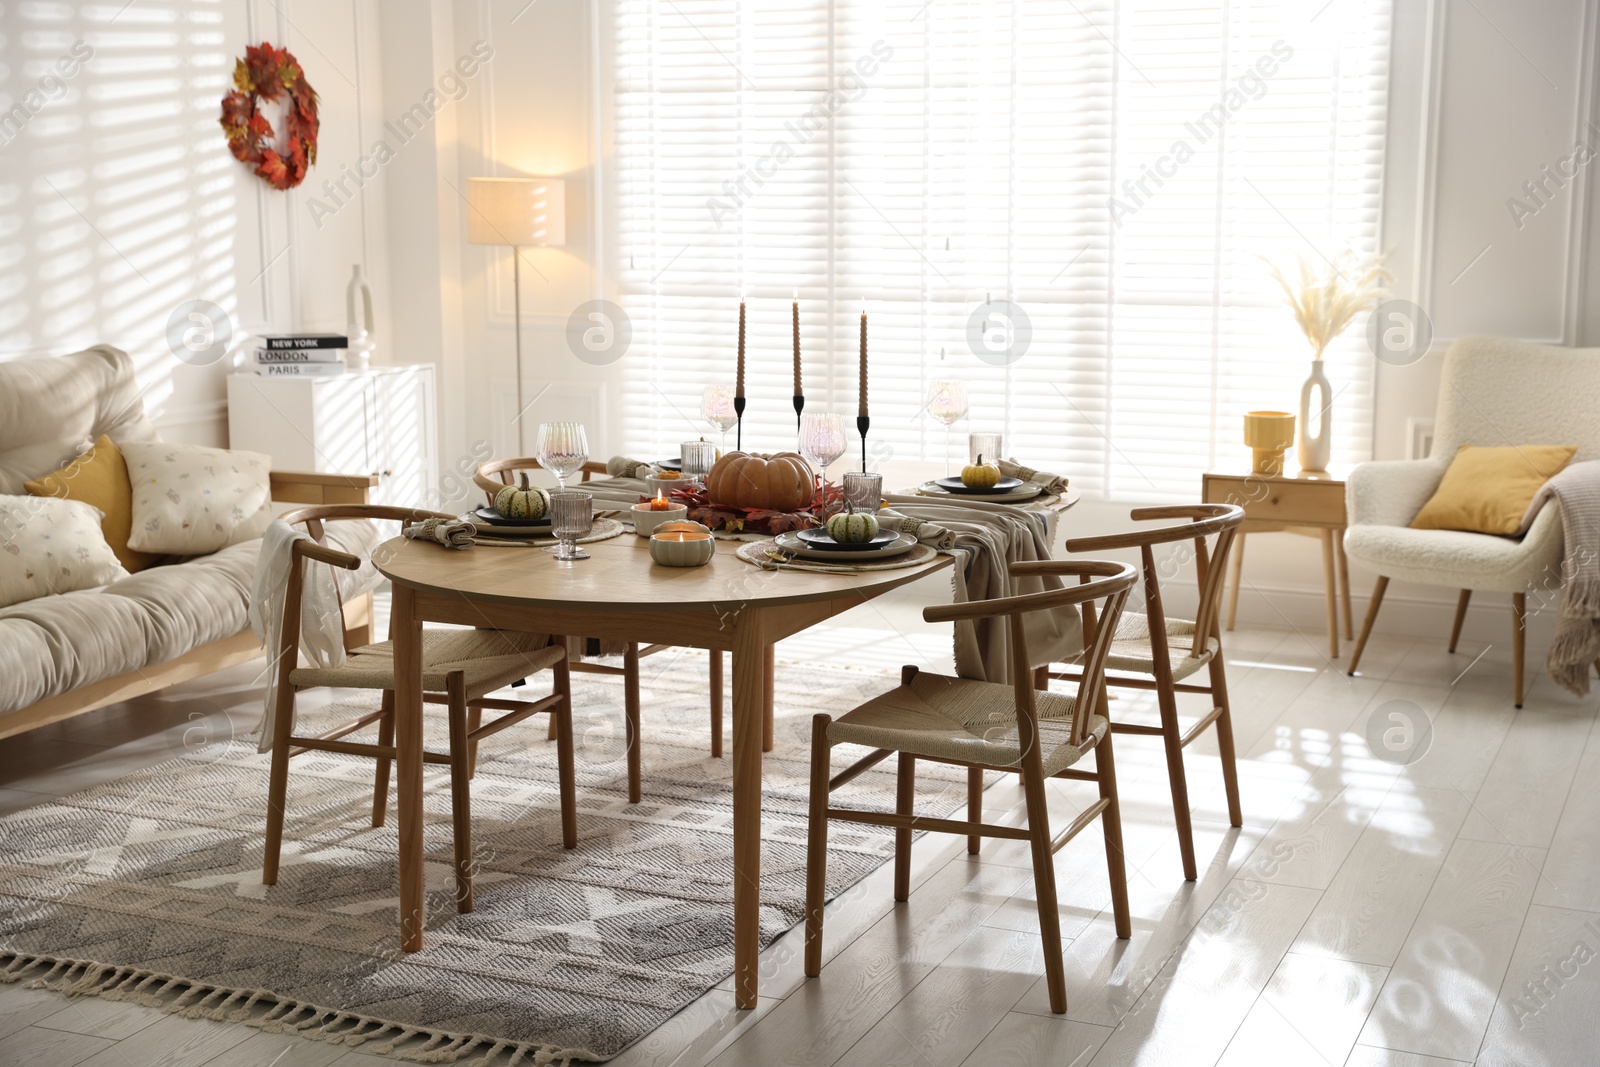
{"points": [[1331, 585], [750, 652], [1235, 578], [769, 681], [406, 632], [1344, 583]]}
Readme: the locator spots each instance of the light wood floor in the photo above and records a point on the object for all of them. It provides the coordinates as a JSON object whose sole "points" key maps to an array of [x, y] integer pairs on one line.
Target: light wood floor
{"points": [[1438, 913]]}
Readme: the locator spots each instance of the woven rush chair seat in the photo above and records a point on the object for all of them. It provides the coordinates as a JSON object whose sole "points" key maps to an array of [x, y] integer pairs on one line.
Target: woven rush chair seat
{"points": [[1130, 648], [490, 660], [964, 720]]}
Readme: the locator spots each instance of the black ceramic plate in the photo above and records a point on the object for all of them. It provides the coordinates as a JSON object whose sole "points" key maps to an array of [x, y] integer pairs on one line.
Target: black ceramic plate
{"points": [[953, 485], [668, 464], [818, 538], [492, 517]]}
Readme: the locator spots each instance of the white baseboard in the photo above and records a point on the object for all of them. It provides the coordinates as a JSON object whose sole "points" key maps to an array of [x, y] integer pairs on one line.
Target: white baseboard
{"points": [[1413, 614]]}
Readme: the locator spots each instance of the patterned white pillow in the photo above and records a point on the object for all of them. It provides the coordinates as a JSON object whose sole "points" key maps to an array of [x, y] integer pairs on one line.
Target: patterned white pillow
{"points": [[52, 545], [189, 499]]}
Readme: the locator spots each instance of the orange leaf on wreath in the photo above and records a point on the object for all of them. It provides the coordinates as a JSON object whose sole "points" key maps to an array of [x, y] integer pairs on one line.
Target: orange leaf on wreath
{"points": [[273, 169]]}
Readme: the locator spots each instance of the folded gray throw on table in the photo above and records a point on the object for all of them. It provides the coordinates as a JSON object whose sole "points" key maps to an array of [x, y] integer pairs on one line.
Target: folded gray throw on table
{"points": [[1577, 640]]}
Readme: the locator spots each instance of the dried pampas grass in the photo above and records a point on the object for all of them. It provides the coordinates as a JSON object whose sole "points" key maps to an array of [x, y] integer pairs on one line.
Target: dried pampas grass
{"points": [[1324, 301]]}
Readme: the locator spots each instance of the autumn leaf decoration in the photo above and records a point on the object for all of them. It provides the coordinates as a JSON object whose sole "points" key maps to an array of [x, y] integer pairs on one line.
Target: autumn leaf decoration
{"points": [[268, 74]]}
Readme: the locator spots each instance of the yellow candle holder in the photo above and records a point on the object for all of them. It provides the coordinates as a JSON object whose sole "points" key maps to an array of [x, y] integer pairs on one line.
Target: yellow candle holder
{"points": [[1268, 433]]}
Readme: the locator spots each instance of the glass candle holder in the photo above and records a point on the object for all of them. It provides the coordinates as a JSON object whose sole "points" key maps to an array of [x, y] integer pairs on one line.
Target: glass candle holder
{"points": [[571, 518], [986, 445], [863, 490], [698, 457]]}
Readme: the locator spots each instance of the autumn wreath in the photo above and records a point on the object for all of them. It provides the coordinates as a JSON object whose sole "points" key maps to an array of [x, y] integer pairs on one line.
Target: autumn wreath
{"points": [[267, 74]]}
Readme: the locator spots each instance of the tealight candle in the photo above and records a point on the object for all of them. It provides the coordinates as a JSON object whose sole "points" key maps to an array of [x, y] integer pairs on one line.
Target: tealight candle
{"points": [[682, 544], [650, 515]]}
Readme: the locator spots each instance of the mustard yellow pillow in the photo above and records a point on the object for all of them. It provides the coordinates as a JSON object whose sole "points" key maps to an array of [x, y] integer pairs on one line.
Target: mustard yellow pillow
{"points": [[99, 478], [1487, 490]]}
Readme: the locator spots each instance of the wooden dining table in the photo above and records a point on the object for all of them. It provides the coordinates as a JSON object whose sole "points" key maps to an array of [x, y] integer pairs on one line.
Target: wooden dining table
{"points": [[619, 593]]}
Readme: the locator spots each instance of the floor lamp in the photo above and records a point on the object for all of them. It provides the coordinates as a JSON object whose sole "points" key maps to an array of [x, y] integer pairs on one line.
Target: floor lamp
{"points": [[517, 212]]}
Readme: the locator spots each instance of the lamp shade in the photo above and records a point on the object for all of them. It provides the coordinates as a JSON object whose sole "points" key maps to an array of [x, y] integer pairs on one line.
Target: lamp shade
{"points": [[516, 211]]}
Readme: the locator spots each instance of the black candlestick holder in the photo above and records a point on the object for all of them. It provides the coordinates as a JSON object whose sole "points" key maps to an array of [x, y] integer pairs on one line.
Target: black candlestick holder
{"points": [[738, 414], [799, 406], [862, 423]]}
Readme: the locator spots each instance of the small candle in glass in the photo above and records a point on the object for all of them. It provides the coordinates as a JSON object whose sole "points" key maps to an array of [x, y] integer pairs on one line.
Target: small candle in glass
{"points": [[697, 458], [986, 445], [863, 490]]}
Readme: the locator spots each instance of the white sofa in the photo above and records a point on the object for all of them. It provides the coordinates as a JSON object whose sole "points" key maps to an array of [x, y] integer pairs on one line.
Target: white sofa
{"points": [[68, 653], [1494, 392]]}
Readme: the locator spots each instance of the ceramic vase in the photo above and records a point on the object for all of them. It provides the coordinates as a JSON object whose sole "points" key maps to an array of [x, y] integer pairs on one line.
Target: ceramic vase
{"points": [[358, 319], [1313, 450]]}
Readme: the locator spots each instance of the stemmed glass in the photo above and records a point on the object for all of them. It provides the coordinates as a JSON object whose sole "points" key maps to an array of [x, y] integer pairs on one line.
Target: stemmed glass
{"points": [[716, 407], [822, 440], [947, 402], [571, 517], [563, 449]]}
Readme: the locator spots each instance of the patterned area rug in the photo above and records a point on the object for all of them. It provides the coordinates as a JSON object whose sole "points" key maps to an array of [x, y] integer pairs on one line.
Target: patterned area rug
{"points": [[149, 888]]}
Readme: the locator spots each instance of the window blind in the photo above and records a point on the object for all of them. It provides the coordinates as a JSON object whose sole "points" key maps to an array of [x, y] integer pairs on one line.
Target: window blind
{"points": [[1066, 204]]}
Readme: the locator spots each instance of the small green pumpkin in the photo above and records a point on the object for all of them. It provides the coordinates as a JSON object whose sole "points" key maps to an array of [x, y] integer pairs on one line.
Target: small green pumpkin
{"points": [[524, 501], [852, 527]]}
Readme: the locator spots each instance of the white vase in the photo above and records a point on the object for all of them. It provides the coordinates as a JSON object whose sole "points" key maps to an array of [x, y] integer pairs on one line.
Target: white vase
{"points": [[1316, 409], [358, 317]]}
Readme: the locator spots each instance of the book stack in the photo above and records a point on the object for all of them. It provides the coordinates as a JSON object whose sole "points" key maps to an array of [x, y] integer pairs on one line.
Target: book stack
{"points": [[301, 355]]}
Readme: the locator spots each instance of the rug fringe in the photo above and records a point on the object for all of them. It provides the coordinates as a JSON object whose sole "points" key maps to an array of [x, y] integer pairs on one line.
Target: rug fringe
{"points": [[197, 1000]]}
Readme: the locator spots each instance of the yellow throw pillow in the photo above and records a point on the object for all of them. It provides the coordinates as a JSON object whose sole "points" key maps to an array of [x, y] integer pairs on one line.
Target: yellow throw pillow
{"points": [[1487, 490], [99, 477]]}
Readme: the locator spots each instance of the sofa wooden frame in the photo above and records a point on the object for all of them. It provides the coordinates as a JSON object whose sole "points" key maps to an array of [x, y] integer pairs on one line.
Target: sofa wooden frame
{"points": [[289, 487]]}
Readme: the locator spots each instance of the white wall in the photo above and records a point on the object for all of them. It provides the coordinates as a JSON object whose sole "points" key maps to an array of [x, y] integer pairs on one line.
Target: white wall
{"points": [[119, 200]]}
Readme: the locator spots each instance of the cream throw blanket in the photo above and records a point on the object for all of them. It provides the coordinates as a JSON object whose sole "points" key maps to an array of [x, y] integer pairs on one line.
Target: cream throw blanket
{"points": [[1577, 640], [988, 538], [321, 622]]}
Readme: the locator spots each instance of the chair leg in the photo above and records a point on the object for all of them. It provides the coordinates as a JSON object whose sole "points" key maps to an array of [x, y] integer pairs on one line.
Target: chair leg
{"points": [[816, 843], [1170, 739], [1111, 830], [1224, 728], [974, 806], [460, 787], [278, 782], [1519, 640], [474, 720], [1044, 888], [716, 704], [1373, 605], [630, 704], [905, 791], [1461, 617], [566, 762], [380, 776], [1235, 578]]}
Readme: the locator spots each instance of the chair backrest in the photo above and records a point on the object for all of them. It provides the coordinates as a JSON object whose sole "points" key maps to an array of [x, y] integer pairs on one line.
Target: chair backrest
{"points": [[496, 474], [1497, 392], [314, 518], [1211, 529], [1104, 581]]}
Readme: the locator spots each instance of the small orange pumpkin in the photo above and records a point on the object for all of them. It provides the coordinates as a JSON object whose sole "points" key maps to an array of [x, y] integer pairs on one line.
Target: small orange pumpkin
{"points": [[782, 482]]}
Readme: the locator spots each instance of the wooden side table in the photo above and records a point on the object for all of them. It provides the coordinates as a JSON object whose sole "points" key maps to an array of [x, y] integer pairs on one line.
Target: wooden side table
{"points": [[1305, 503]]}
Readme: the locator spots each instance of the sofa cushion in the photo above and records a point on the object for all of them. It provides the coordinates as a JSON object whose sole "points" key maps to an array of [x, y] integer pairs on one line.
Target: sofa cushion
{"points": [[99, 477], [50, 546], [50, 409], [1487, 489], [57, 643], [190, 499]]}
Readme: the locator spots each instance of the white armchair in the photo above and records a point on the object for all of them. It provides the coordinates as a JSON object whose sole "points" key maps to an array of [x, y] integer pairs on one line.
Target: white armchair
{"points": [[1493, 392]]}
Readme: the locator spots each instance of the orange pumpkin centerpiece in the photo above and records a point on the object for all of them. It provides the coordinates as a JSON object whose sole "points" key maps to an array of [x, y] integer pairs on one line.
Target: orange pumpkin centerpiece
{"points": [[782, 482]]}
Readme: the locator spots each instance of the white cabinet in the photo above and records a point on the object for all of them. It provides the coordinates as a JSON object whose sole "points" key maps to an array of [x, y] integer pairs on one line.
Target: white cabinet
{"points": [[381, 421]]}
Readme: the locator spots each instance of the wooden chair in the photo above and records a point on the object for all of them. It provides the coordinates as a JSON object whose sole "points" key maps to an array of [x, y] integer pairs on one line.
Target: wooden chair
{"points": [[494, 475], [460, 667], [1152, 651], [987, 726]]}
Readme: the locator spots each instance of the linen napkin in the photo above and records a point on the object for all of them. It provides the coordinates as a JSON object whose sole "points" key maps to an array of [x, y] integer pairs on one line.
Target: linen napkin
{"points": [[927, 533], [1050, 483], [451, 533], [627, 467]]}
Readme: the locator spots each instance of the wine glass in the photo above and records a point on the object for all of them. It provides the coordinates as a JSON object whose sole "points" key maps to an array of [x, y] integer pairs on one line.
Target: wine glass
{"points": [[571, 517], [563, 449], [822, 440], [947, 402], [716, 407]]}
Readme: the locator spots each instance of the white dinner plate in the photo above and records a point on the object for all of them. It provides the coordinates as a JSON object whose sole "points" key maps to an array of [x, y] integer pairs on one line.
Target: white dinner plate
{"points": [[790, 542]]}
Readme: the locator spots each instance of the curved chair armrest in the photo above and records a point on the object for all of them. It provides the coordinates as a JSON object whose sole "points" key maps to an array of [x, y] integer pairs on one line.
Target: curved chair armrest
{"points": [[1108, 577], [491, 486], [323, 554], [1390, 492], [1205, 520]]}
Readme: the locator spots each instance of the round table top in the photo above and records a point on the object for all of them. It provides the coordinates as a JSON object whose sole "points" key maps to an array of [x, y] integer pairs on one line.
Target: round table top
{"points": [[619, 574]]}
